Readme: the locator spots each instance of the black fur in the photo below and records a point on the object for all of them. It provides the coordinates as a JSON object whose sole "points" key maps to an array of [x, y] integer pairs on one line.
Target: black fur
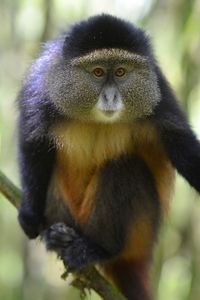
{"points": [[36, 150], [123, 201], [105, 31], [180, 142], [36, 163]]}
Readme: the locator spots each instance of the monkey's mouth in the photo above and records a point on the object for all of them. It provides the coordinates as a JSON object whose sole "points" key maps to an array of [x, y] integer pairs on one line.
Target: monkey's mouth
{"points": [[109, 113], [106, 116]]}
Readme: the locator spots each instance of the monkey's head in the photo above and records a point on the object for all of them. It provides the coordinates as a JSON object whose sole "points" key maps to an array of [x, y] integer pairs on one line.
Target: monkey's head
{"points": [[104, 73]]}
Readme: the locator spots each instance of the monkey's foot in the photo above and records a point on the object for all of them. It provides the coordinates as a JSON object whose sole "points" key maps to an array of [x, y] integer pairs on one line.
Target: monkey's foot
{"points": [[72, 247]]}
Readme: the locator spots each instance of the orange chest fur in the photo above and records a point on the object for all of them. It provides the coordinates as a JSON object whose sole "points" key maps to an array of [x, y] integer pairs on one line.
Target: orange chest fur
{"points": [[82, 149]]}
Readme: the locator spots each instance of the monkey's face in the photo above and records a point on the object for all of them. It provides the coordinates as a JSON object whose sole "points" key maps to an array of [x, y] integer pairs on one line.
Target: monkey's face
{"points": [[106, 86]]}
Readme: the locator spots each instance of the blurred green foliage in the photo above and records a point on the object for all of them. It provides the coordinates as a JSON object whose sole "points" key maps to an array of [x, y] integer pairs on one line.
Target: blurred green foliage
{"points": [[26, 271]]}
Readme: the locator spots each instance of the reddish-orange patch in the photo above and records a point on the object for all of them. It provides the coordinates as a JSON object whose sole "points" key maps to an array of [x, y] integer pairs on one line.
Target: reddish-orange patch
{"points": [[76, 185], [128, 275], [139, 240]]}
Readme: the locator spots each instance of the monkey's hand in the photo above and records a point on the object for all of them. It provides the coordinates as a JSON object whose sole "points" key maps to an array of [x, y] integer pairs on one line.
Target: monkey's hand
{"points": [[30, 221], [74, 249]]}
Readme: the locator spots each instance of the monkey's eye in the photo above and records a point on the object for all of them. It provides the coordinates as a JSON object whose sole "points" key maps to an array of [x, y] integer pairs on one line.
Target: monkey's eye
{"points": [[98, 72], [120, 72]]}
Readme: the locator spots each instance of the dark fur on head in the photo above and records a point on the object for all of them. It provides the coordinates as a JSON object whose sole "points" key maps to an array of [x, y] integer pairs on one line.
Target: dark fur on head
{"points": [[105, 31]]}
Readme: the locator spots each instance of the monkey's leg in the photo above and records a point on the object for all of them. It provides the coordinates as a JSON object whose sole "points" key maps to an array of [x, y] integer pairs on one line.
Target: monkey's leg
{"points": [[125, 191], [125, 272], [75, 250]]}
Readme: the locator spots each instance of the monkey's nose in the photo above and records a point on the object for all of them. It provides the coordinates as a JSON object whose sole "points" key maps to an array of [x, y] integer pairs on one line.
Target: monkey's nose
{"points": [[110, 96]]}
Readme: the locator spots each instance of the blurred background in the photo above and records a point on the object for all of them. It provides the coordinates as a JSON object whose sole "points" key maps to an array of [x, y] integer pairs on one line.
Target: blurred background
{"points": [[26, 271]]}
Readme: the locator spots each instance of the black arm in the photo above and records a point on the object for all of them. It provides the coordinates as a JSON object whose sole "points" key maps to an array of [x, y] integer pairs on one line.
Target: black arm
{"points": [[180, 142], [36, 152], [36, 157], [36, 162]]}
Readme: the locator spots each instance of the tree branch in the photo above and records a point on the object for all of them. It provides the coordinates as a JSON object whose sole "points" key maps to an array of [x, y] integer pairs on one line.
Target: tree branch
{"points": [[87, 278], [9, 190]]}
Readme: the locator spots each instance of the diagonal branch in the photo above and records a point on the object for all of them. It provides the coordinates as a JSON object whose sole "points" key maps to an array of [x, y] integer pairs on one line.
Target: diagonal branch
{"points": [[9, 190], [87, 278]]}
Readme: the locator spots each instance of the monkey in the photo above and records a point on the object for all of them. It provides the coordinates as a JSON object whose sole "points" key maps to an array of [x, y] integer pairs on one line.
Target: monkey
{"points": [[101, 134]]}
